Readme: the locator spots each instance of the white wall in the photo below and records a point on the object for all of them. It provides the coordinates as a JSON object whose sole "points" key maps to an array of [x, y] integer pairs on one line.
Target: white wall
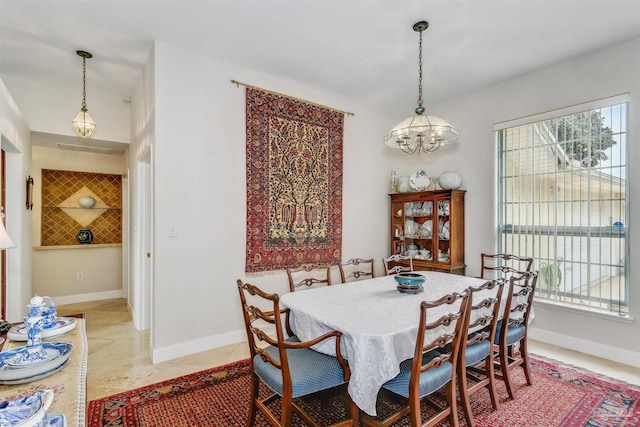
{"points": [[604, 73], [199, 181], [50, 108], [16, 141], [54, 270]]}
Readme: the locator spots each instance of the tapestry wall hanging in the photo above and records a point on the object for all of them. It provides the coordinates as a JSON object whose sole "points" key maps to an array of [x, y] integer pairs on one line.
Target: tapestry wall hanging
{"points": [[294, 182]]}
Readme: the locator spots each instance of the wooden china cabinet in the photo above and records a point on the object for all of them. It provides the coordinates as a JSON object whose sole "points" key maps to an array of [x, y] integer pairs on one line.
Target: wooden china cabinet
{"points": [[429, 227]]}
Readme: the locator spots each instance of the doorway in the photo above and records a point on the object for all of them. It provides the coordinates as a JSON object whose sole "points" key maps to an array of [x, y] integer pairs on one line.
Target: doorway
{"points": [[140, 293]]}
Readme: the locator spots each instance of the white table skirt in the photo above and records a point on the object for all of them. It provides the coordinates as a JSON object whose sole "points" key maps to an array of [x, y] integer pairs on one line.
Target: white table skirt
{"points": [[378, 323]]}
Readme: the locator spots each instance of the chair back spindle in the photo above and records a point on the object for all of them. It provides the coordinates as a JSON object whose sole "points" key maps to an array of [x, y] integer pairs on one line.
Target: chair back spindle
{"points": [[356, 269], [309, 276], [397, 264]]}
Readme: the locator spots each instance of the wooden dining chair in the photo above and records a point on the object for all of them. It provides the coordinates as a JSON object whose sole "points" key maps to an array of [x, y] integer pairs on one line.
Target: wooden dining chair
{"points": [[503, 265], [309, 276], [288, 367], [511, 330], [397, 264], [433, 366], [356, 269], [476, 350]]}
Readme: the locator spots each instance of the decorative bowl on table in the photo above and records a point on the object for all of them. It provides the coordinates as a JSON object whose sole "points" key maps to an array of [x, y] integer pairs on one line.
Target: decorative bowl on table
{"points": [[409, 279], [16, 369]]}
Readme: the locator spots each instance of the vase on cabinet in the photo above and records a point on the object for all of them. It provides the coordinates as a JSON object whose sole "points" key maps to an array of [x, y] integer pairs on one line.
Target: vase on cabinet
{"points": [[450, 180], [404, 185]]}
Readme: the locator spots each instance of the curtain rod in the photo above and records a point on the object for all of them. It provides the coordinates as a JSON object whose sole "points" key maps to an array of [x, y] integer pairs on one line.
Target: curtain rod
{"points": [[237, 83]]}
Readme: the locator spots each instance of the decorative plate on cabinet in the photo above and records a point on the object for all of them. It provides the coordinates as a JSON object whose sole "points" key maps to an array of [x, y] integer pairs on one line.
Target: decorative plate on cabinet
{"points": [[420, 180]]}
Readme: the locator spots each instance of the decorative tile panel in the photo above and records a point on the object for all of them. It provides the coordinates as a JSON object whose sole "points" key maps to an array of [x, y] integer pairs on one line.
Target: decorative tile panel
{"points": [[62, 215]]}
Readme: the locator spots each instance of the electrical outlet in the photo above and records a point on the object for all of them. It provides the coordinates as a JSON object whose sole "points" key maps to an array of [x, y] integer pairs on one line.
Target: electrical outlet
{"points": [[79, 275]]}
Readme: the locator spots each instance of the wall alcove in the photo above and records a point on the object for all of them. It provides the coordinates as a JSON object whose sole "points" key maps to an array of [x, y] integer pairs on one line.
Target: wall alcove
{"points": [[63, 213]]}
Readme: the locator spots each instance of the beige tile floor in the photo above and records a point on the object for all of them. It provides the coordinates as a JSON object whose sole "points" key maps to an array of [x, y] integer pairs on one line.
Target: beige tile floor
{"points": [[119, 354]]}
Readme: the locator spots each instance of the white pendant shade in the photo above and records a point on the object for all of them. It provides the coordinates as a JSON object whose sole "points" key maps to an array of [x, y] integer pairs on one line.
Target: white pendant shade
{"points": [[83, 124], [420, 132]]}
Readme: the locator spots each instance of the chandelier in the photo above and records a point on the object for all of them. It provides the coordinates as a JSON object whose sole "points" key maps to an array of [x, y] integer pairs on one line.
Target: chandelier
{"points": [[83, 123], [421, 132]]}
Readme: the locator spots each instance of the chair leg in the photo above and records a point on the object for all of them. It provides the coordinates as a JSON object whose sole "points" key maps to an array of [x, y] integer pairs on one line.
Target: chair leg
{"points": [[453, 403], [251, 419], [415, 415], [287, 411], [524, 353], [492, 382], [355, 411], [464, 394], [504, 366]]}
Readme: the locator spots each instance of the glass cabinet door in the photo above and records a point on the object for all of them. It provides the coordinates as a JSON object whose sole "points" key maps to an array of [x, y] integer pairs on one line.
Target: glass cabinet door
{"points": [[443, 207]]}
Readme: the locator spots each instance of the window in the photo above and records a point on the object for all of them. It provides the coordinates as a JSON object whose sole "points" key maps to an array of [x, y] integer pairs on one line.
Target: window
{"points": [[562, 199]]}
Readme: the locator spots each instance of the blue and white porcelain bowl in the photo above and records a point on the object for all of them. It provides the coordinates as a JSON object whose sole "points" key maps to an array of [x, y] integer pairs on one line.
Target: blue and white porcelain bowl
{"points": [[409, 279], [27, 411]]}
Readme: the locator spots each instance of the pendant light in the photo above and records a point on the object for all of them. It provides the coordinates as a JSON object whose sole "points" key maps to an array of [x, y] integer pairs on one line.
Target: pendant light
{"points": [[421, 132], [83, 123]]}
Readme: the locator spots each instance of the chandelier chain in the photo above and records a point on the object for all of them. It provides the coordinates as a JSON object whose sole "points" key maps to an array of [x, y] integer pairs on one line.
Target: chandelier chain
{"points": [[420, 73], [84, 83]]}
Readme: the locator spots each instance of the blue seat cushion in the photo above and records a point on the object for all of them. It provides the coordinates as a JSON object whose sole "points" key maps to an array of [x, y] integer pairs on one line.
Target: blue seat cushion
{"points": [[477, 352], [310, 370], [514, 334], [430, 381]]}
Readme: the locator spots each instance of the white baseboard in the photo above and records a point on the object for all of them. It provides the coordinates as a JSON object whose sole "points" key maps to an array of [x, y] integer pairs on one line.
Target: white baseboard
{"points": [[94, 296], [592, 348], [187, 348]]}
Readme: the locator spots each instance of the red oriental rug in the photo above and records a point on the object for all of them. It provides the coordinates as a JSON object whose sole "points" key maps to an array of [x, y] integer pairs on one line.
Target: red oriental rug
{"points": [[294, 182], [560, 396]]}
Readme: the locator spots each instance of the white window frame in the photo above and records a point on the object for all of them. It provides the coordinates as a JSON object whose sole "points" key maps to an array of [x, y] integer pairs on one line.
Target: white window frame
{"points": [[501, 228]]}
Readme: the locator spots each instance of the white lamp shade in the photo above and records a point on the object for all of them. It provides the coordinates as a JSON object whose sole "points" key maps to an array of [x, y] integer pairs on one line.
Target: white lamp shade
{"points": [[83, 124], [429, 127], [5, 240]]}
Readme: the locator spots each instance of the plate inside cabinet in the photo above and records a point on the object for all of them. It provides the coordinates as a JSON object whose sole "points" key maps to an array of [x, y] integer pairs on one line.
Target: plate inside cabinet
{"points": [[420, 180]]}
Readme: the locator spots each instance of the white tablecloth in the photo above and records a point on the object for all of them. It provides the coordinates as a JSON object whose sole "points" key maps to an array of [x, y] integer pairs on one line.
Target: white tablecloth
{"points": [[378, 323]]}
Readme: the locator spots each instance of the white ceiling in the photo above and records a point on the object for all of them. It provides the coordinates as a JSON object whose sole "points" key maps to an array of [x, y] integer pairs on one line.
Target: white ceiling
{"points": [[364, 50]]}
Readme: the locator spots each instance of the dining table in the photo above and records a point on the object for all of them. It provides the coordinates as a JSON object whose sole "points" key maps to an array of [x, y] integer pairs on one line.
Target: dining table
{"points": [[69, 384], [378, 324]]}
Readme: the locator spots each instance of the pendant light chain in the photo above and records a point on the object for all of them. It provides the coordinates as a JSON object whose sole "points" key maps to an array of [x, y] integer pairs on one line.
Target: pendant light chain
{"points": [[420, 73], [83, 124], [84, 84]]}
